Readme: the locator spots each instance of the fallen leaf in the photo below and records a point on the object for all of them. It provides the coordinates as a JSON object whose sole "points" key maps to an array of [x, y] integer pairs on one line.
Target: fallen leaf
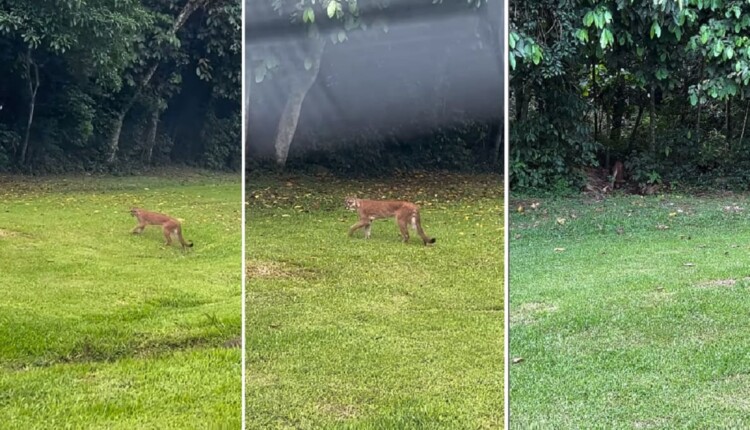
{"points": [[517, 360]]}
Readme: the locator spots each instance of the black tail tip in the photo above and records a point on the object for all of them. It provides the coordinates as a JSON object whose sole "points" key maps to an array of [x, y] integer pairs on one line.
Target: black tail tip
{"points": [[190, 245], [432, 240]]}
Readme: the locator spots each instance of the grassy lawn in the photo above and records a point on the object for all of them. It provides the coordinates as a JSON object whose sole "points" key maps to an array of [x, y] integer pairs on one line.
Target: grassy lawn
{"points": [[374, 334], [103, 329], [631, 313]]}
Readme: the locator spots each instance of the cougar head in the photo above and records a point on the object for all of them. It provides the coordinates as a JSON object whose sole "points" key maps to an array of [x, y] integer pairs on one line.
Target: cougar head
{"points": [[351, 203]]}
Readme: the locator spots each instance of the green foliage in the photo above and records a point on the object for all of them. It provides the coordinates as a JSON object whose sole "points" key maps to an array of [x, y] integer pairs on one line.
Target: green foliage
{"points": [[645, 169], [220, 138], [219, 60], [97, 37], [9, 140], [691, 57]]}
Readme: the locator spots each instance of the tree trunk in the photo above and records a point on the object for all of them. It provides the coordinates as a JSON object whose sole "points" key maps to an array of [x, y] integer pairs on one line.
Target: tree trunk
{"points": [[246, 88], [618, 112], [148, 149], [698, 122], [593, 98], [744, 123], [729, 120], [652, 119], [293, 107], [439, 105], [521, 103], [32, 78], [638, 119], [698, 119], [114, 140], [499, 146]]}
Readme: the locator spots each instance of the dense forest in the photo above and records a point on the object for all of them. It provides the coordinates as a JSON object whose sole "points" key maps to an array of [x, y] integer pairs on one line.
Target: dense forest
{"points": [[659, 85], [368, 87], [108, 85]]}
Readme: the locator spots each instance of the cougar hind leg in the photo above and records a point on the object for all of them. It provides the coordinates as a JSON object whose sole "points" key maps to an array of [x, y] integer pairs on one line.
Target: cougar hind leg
{"points": [[167, 236], [403, 228]]}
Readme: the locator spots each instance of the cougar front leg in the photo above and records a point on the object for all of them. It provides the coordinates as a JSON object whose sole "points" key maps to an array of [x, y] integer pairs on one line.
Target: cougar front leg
{"points": [[138, 229], [358, 225]]}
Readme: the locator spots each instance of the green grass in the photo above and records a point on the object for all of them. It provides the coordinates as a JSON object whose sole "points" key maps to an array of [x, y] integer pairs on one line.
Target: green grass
{"points": [[637, 323], [374, 334], [100, 328]]}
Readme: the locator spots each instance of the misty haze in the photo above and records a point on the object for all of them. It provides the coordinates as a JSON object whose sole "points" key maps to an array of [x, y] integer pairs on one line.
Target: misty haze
{"points": [[411, 71]]}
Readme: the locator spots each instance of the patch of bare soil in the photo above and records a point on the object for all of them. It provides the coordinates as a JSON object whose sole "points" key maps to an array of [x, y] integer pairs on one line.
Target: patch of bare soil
{"points": [[529, 313], [7, 233], [649, 424], [659, 296], [719, 283], [234, 342], [599, 183], [733, 392], [338, 411], [276, 269], [733, 209]]}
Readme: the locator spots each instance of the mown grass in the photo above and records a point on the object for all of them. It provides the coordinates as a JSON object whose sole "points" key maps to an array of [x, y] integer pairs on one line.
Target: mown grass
{"points": [[100, 328], [630, 313], [353, 333]]}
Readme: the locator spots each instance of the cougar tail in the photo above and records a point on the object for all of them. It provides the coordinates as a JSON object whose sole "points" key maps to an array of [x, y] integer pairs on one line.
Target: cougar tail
{"points": [[416, 224], [182, 240]]}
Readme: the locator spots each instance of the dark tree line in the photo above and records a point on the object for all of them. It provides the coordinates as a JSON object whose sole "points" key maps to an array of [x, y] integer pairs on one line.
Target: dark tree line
{"points": [[113, 84], [662, 86]]}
